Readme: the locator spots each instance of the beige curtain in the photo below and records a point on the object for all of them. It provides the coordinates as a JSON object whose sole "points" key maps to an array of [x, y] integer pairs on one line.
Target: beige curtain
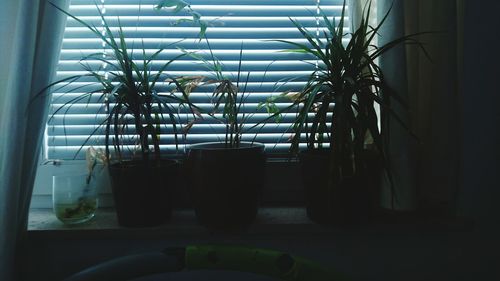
{"points": [[426, 170]]}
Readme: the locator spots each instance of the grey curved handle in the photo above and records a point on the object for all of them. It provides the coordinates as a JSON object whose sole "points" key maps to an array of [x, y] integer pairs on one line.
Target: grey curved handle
{"points": [[133, 266]]}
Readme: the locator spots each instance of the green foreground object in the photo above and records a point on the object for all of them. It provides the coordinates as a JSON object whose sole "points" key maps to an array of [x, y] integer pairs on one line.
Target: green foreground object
{"points": [[260, 261]]}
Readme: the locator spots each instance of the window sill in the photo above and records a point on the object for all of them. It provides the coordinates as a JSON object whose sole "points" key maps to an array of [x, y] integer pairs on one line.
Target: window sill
{"points": [[270, 221]]}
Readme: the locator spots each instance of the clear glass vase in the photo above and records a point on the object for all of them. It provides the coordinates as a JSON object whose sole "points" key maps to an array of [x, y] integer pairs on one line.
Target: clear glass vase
{"points": [[74, 198]]}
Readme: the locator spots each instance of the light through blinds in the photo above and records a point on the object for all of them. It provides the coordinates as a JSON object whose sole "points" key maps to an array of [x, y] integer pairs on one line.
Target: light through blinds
{"points": [[234, 24]]}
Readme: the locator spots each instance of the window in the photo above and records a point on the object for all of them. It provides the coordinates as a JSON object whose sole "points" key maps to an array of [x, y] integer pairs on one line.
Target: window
{"points": [[235, 24], [253, 23]]}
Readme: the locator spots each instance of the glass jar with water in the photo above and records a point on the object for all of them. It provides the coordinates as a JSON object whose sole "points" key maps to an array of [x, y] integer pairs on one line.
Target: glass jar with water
{"points": [[74, 198]]}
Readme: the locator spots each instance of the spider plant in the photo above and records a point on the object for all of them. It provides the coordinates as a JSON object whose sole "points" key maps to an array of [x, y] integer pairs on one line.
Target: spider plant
{"points": [[336, 109], [129, 91], [228, 97]]}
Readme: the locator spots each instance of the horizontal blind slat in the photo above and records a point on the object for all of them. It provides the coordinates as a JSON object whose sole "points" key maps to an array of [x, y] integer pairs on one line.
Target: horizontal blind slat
{"points": [[74, 67], [170, 21], [210, 10], [92, 118], [214, 2], [192, 32], [86, 130], [204, 107], [158, 43], [165, 87], [196, 97], [73, 56]]}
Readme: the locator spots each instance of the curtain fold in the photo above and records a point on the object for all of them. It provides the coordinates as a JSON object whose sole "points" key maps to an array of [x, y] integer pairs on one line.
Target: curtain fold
{"points": [[426, 169], [356, 10], [32, 33]]}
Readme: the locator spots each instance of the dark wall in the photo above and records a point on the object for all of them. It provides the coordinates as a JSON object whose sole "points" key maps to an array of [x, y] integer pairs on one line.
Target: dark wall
{"points": [[480, 190]]}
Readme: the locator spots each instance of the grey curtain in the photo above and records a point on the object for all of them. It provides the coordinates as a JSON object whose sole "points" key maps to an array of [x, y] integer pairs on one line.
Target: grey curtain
{"points": [[426, 169], [31, 35], [358, 7]]}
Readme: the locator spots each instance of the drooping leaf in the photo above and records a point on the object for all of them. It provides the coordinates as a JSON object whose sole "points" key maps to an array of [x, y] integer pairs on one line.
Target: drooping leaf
{"points": [[178, 4]]}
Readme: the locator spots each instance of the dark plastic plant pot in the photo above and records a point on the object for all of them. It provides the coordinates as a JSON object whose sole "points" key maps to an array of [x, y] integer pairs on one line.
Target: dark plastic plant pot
{"points": [[225, 184], [349, 202], [142, 192]]}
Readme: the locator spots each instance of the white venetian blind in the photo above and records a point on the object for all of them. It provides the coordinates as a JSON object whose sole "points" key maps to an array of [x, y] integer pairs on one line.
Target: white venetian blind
{"points": [[234, 22]]}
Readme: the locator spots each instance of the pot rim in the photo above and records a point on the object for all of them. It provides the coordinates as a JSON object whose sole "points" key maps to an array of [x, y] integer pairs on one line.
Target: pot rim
{"points": [[244, 145], [136, 162]]}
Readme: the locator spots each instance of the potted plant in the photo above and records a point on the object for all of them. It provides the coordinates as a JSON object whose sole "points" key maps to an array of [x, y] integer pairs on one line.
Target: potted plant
{"points": [[338, 122], [225, 178], [135, 112]]}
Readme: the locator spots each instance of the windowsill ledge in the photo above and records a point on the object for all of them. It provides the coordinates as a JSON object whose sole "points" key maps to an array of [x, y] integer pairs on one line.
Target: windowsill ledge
{"points": [[183, 222], [270, 221]]}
